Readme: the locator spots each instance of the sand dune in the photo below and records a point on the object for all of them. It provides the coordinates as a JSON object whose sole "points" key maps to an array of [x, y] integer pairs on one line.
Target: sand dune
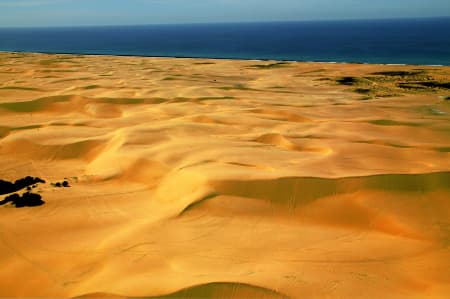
{"points": [[211, 290], [197, 178]]}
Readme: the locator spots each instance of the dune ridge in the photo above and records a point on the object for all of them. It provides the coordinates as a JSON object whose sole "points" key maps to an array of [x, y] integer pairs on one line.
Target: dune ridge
{"points": [[211, 290], [202, 178]]}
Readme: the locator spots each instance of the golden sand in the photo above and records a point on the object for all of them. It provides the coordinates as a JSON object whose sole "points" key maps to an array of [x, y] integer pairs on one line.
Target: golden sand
{"points": [[197, 178]]}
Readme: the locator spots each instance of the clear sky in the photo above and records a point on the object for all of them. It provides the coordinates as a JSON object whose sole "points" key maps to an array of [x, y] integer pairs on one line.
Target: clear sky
{"points": [[123, 12]]}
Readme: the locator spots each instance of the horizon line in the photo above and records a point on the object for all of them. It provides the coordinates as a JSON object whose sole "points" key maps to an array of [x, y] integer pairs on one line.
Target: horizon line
{"points": [[224, 23]]}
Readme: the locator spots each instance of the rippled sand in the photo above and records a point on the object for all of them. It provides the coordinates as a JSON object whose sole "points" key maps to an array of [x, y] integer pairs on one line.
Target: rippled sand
{"points": [[195, 178]]}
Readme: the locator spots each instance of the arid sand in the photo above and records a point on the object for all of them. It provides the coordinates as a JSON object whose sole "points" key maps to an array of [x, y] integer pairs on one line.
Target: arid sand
{"points": [[197, 178]]}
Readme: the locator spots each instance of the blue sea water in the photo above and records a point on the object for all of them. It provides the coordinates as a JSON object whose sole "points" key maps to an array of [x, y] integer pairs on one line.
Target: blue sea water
{"points": [[406, 41]]}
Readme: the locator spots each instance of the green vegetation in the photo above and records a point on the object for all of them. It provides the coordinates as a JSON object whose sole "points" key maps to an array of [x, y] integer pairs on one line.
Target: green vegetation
{"points": [[443, 149], [19, 88], [32, 106], [389, 122], [91, 87], [270, 66], [72, 79], [203, 63], [215, 98], [58, 71], [362, 90], [347, 80], [397, 73], [236, 87]]}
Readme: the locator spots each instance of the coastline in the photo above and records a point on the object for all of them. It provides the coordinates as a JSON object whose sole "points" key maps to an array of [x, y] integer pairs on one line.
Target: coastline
{"points": [[221, 58]]}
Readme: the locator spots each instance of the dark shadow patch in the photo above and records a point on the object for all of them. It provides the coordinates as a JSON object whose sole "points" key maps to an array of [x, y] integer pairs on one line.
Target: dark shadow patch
{"points": [[297, 191], [197, 203]]}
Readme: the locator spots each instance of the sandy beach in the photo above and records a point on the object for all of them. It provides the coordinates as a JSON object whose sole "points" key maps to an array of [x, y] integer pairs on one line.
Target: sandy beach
{"points": [[202, 178]]}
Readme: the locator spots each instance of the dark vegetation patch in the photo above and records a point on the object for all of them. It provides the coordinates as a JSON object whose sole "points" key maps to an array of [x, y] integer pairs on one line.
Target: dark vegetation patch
{"points": [[203, 63], [19, 88], [30, 127], [49, 62], [34, 105], [310, 72], [28, 199], [123, 101], [362, 90], [389, 122], [434, 84], [215, 98], [405, 85], [169, 79], [91, 87], [398, 73], [236, 87], [376, 142], [443, 149], [58, 71], [9, 187], [424, 85], [63, 184], [270, 66], [394, 83], [347, 81], [72, 79]]}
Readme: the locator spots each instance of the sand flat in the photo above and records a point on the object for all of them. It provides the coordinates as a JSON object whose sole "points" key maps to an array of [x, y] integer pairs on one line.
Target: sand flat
{"points": [[202, 178]]}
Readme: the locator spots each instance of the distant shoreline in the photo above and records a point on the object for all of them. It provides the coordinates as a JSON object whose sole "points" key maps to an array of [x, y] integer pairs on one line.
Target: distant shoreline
{"points": [[222, 58], [406, 41]]}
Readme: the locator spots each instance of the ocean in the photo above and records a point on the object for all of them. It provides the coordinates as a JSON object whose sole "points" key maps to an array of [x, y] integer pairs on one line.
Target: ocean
{"points": [[402, 41]]}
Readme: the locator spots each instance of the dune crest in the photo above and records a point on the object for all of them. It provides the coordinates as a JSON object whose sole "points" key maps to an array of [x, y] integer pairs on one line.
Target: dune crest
{"points": [[217, 290]]}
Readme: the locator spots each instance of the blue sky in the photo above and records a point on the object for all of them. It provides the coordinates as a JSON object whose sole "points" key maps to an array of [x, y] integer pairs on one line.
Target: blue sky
{"points": [[122, 12]]}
